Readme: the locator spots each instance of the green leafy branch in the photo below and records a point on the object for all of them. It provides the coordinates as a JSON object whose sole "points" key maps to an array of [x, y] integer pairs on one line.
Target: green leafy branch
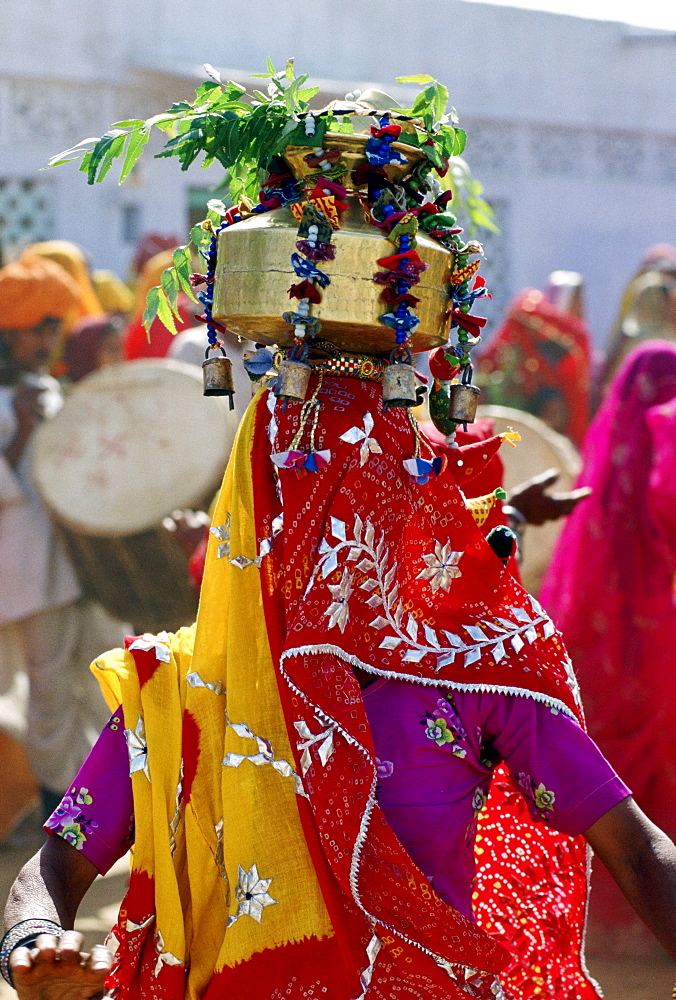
{"points": [[443, 126], [244, 133]]}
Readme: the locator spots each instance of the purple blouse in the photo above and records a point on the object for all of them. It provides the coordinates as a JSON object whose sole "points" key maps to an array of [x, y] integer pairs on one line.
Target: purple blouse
{"points": [[436, 752]]}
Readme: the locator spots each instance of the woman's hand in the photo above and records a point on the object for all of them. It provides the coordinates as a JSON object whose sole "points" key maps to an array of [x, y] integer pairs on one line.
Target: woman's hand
{"points": [[58, 969]]}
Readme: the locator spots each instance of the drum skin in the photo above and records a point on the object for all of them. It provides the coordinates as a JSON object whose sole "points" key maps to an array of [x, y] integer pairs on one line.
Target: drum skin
{"points": [[131, 444], [540, 449]]}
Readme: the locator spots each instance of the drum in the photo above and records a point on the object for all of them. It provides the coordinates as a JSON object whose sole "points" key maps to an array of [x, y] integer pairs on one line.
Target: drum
{"points": [[132, 443], [540, 449]]}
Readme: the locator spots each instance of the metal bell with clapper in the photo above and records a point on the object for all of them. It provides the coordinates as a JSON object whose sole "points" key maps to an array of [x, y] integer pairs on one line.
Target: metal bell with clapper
{"points": [[293, 376], [399, 382], [217, 374], [463, 402]]}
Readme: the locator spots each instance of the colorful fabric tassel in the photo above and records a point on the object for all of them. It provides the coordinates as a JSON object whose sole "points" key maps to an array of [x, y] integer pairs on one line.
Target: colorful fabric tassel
{"points": [[480, 507], [423, 469]]}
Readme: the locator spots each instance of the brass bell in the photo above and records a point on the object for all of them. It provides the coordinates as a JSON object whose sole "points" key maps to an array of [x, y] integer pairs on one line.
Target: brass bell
{"points": [[292, 380], [399, 385], [463, 401], [217, 376]]}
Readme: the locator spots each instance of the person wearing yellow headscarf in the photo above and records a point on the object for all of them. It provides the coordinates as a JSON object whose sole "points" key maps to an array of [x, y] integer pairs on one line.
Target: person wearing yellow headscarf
{"points": [[114, 295]]}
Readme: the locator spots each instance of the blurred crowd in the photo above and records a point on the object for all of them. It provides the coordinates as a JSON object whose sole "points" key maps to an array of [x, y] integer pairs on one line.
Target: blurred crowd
{"points": [[609, 585]]}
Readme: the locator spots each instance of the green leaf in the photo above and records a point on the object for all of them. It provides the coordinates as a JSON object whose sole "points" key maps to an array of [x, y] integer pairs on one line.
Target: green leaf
{"points": [[207, 93], [459, 141], [84, 166], [434, 156], [271, 68], [104, 152], [232, 91], [307, 93], [130, 123], [152, 307], [290, 75], [421, 78], [200, 238], [158, 305], [135, 144], [164, 118], [183, 264], [171, 287], [165, 314]]}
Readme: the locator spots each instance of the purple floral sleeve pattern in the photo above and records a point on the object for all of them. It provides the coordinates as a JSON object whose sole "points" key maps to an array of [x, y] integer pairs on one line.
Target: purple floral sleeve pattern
{"points": [[72, 819], [540, 800], [96, 815], [443, 725]]}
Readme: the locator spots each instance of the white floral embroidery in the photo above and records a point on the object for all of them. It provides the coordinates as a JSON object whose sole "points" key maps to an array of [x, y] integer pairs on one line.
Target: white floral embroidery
{"points": [[471, 981], [163, 957], [137, 748], [372, 951], [195, 681], [159, 642], [442, 567], [219, 857], [132, 926], [368, 444], [178, 812], [338, 611], [372, 558], [324, 750], [265, 755], [221, 533], [251, 894]]}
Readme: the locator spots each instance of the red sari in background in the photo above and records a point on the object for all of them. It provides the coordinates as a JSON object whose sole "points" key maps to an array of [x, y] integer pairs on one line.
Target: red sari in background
{"points": [[157, 341], [610, 590], [539, 361]]}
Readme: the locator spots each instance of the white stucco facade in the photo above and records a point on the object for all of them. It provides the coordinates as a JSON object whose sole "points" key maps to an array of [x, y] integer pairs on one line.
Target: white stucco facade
{"points": [[570, 121]]}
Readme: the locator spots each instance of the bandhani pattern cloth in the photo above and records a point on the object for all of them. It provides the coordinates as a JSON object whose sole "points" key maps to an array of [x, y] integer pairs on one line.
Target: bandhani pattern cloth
{"points": [[539, 360], [263, 866]]}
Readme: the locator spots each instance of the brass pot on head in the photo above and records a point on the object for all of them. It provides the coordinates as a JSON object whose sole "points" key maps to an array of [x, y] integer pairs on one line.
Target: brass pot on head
{"points": [[254, 271], [463, 402]]}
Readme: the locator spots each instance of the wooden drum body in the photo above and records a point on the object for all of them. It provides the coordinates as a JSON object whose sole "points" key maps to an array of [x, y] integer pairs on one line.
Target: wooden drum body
{"points": [[131, 444]]}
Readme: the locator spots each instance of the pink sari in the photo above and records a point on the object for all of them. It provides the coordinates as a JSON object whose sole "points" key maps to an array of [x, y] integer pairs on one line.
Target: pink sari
{"points": [[610, 587]]}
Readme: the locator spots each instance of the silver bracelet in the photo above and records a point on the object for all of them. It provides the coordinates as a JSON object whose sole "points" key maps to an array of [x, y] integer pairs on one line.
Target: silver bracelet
{"points": [[24, 935]]}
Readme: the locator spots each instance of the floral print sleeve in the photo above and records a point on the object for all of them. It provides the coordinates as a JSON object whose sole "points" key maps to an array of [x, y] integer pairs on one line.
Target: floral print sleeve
{"points": [[71, 820], [96, 813], [564, 779]]}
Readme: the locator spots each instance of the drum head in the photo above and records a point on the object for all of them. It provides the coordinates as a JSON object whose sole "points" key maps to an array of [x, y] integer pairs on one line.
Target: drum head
{"points": [[132, 443], [540, 449]]}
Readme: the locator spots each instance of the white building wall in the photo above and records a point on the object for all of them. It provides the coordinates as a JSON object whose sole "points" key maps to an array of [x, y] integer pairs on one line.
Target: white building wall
{"points": [[570, 121]]}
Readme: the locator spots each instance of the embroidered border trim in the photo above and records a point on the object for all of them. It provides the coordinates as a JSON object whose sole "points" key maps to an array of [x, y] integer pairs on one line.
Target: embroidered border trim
{"points": [[440, 682]]}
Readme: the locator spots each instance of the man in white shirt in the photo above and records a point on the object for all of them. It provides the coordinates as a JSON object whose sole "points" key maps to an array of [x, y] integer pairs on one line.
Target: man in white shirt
{"points": [[42, 615]]}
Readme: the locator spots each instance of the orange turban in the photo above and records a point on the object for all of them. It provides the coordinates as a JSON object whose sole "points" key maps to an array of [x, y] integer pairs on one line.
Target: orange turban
{"points": [[69, 256], [31, 289]]}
